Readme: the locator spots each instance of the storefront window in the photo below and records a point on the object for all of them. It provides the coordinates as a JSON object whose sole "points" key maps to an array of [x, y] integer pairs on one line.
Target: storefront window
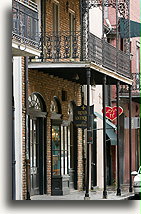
{"points": [[55, 150], [60, 150], [64, 151]]}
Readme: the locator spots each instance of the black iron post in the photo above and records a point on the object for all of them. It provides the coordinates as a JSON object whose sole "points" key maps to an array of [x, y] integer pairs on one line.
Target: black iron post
{"points": [[118, 165], [130, 138], [89, 132], [104, 139], [26, 132], [13, 143]]}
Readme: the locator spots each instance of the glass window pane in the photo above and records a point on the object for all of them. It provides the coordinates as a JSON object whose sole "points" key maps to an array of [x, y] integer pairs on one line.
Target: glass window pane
{"points": [[68, 148], [62, 153], [55, 162], [55, 138], [34, 142], [66, 162], [31, 143], [55, 150]]}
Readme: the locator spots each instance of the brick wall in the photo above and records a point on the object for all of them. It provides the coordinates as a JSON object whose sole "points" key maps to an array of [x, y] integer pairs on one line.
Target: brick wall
{"points": [[48, 87], [63, 41], [63, 14]]}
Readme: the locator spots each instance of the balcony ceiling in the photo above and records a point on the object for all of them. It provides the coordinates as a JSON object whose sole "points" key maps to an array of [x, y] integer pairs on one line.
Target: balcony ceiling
{"points": [[76, 72]]}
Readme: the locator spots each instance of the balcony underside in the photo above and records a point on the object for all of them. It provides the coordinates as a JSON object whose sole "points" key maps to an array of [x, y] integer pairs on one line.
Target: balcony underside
{"points": [[135, 96], [22, 49], [76, 72]]}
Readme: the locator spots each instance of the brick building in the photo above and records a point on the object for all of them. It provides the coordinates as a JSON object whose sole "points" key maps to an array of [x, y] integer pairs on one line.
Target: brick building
{"points": [[73, 69]]}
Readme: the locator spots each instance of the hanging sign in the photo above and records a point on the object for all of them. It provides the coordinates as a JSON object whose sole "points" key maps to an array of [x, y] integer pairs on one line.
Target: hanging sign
{"points": [[80, 116], [111, 112]]}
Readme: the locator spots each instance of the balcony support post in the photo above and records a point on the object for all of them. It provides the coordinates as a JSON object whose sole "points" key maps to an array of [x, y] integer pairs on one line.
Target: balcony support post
{"points": [[27, 133], [130, 138], [104, 138], [88, 135], [85, 30], [13, 142], [118, 162]]}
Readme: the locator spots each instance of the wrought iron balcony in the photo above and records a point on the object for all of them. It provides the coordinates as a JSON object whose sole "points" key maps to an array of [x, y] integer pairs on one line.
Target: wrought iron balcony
{"points": [[68, 46], [136, 86], [25, 23]]}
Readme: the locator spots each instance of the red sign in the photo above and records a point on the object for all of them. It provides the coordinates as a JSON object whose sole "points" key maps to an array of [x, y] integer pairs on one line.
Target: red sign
{"points": [[111, 112]]}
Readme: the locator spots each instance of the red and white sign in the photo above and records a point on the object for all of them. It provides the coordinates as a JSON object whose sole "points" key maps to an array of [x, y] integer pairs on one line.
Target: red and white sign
{"points": [[111, 112]]}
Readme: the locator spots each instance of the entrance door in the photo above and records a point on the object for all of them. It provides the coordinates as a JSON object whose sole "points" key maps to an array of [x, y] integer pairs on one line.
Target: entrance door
{"points": [[73, 156], [37, 155], [37, 115], [109, 163], [34, 157]]}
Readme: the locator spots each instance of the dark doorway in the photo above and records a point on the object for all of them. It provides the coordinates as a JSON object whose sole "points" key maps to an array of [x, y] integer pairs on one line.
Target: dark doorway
{"points": [[108, 161], [73, 156], [37, 144]]}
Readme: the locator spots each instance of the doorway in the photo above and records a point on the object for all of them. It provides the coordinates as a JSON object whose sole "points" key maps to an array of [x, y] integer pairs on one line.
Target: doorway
{"points": [[37, 116]]}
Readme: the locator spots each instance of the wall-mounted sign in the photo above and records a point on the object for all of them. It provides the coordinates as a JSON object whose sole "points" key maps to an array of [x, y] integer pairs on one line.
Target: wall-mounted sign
{"points": [[80, 116], [111, 112]]}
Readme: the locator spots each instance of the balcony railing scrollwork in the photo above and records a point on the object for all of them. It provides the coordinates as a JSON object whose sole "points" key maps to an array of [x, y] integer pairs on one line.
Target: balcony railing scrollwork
{"points": [[61, 46], [136, 86], [25, 23], [66, 47]]}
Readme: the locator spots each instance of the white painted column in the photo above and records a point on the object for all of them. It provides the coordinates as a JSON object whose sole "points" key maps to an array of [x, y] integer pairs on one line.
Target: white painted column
{"points": [[17, 79]]}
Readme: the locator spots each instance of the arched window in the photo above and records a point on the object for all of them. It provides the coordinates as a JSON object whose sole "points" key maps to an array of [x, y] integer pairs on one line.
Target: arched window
{"points": [[55, 106], [36, 102]]}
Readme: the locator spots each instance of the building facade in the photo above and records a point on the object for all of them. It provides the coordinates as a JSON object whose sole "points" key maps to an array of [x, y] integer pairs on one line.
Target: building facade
{"points": [[65, 61]]}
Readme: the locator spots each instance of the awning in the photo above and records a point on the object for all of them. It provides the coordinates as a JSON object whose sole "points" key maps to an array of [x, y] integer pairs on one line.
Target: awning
{"points": [[135, 28], [110, 130], [111, 135]]}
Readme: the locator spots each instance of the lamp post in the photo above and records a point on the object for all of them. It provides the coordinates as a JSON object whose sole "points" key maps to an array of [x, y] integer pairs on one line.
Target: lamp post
{"points": [[130, 138]]}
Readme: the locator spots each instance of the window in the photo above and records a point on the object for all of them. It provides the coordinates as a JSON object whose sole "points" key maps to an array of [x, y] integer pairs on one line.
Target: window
{"points": [[55, 18], [138, 58], [64, 150], [72, 32], [60, 150], [55, 150]]}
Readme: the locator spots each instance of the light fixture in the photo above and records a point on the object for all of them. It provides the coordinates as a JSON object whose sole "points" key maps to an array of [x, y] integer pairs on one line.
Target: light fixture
{"points": [[76, 77]]}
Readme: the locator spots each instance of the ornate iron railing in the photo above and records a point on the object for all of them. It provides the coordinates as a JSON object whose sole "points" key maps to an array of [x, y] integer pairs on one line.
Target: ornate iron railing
{"points": [[136, 86], [25, 22], [67, 46], [61, 46], [108, 56]]}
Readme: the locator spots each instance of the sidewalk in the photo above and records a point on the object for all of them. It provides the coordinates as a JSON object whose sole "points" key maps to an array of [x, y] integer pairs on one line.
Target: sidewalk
{"points": [[79, 195]]}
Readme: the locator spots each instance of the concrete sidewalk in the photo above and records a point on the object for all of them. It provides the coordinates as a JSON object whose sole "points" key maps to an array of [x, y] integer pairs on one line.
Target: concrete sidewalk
{"points": [[79, 195]]}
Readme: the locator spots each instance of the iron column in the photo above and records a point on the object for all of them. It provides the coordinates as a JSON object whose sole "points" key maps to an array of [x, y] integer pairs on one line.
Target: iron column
{"points": [[118, 166], [130, 138], [104, 139], [89, 131]]}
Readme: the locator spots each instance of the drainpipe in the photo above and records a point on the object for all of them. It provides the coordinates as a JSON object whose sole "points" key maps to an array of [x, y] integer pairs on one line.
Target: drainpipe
{"points": [[27, 132], [13, 143]]}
